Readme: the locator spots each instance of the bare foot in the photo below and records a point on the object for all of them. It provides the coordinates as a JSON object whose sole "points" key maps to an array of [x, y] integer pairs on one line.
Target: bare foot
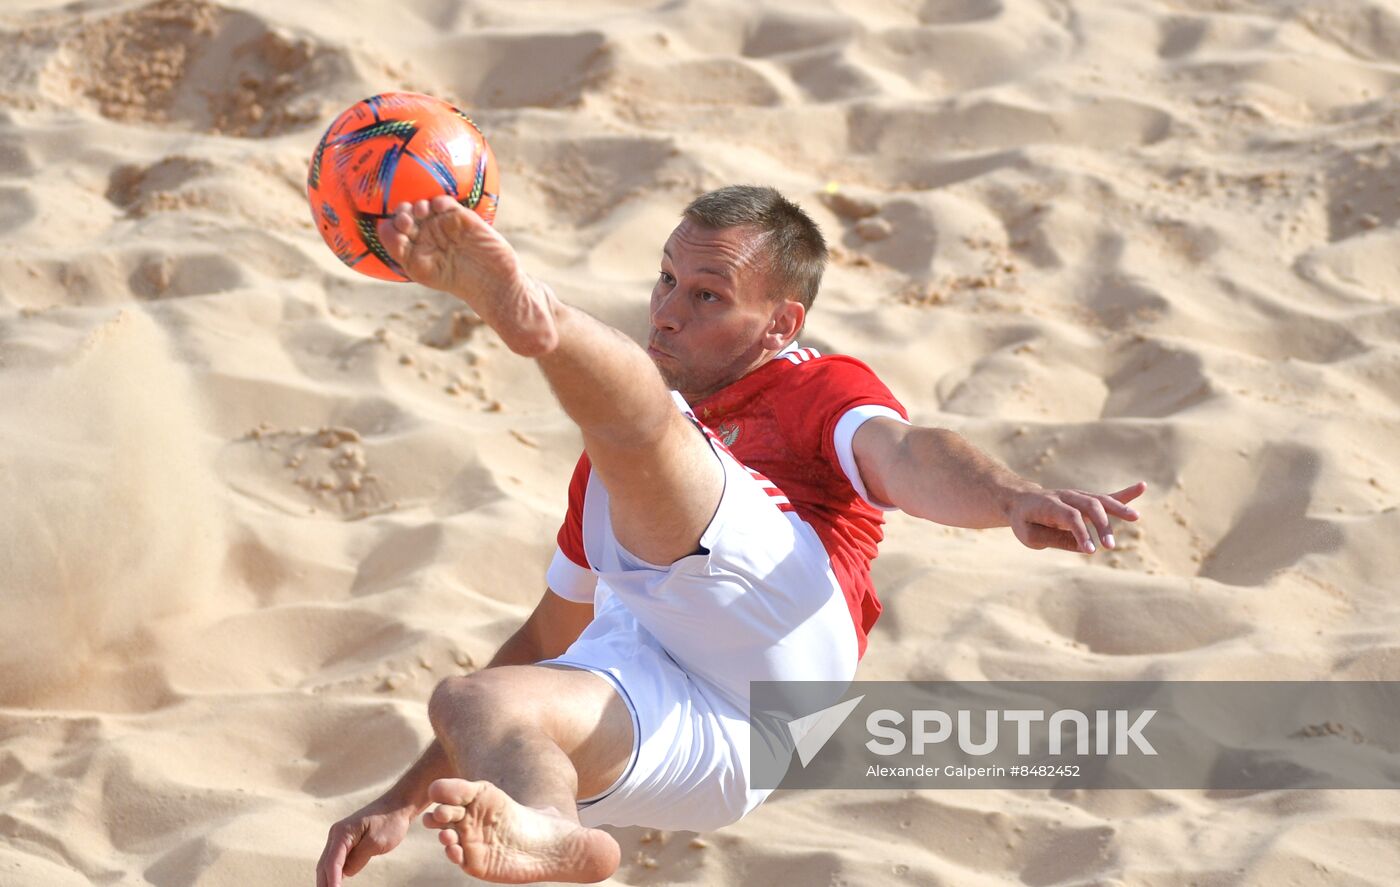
{"points": [[450, 248], [495, 839]]}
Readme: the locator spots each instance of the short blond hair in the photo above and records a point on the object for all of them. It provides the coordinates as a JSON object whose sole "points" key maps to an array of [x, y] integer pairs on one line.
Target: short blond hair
{"points": [[795, 248]]}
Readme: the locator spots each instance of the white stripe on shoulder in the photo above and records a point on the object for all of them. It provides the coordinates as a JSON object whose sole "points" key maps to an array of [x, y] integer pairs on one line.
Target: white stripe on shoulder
{"points": [[795, 355]]}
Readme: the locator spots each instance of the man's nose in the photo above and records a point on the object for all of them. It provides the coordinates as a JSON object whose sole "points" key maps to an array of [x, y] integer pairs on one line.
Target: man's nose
{"points": [[664, 313]]}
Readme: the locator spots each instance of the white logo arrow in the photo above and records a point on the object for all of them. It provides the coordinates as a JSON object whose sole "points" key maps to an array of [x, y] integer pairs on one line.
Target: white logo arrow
{"points": [[811, 732]]}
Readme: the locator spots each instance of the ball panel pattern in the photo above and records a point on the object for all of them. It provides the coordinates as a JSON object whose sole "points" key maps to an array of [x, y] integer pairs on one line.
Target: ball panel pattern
{"points": [[386, 150]]}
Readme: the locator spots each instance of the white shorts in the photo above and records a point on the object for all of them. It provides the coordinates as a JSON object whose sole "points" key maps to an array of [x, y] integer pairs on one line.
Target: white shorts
{"points": [[681, 643]]}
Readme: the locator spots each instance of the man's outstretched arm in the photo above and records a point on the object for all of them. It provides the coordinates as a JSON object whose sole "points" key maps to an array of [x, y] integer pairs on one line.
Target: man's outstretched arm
{"points": [[381, 825], [936, 474]]}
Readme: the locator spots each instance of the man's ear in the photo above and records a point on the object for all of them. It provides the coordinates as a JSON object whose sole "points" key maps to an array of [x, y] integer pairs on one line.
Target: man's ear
{"points": [[788, 317]]}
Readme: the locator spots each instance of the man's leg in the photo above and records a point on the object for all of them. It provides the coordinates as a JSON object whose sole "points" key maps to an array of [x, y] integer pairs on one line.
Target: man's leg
{"points": [[513, 817], [528, 740], [663, 480]]}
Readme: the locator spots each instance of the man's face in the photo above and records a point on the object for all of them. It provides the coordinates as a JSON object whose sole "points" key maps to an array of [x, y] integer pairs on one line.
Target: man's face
{"points": [[710, 309]]}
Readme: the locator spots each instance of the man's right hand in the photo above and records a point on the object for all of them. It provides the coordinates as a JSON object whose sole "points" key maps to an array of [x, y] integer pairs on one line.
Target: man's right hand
{"points": [[368, 832]]}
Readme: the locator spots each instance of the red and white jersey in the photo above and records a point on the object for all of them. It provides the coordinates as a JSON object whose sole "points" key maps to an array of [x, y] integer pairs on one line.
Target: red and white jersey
{"points": [[790, 421]]}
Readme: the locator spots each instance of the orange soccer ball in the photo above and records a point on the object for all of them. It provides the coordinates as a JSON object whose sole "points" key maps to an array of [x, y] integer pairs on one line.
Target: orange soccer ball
{"points": [[388, 149]]}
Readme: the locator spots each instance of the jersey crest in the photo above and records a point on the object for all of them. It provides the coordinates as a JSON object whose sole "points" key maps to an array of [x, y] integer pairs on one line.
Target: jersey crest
{"points": [[728, 432]]}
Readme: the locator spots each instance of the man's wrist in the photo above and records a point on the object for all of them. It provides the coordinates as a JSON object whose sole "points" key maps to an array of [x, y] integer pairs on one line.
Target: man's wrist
{"points": [[518, 649], [403, 801], [1012, 490], [410, 794]]}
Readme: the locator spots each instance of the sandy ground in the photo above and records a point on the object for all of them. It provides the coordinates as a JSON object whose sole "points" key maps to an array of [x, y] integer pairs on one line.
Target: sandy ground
{"points": [[253, 505]]}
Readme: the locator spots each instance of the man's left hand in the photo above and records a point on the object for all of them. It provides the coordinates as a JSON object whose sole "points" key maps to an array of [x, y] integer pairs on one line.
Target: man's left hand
{"points": [[1061, 518]]}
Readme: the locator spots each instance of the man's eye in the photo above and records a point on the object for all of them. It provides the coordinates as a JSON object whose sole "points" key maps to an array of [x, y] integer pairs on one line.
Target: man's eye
{"points": [[707, 296], [667, 279]]}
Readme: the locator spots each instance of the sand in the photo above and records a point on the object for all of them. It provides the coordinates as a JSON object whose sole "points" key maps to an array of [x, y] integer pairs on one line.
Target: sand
{"points": [[253, 505]]}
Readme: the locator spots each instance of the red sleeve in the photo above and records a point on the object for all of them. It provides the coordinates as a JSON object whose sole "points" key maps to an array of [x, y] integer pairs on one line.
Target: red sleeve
{"points": [[571, 531], [838, 383]]}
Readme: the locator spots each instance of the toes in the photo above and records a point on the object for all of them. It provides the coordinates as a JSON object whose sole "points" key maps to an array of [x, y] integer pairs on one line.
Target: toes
{"points": [[448, 837], [394, 240], [455, 854], [454, 792]]}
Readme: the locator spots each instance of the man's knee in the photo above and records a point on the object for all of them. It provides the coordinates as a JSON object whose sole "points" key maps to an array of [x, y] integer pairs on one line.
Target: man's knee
{"points": [[488, 697]]}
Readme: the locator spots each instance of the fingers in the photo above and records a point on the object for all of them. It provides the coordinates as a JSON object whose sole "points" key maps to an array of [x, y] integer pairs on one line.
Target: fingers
{"points": [[359, 857], [1128, 494], [1116, 508], [1061, 518], [1069, 519], [1092, 509], [370, 842], [332, 861], [1039, 536], [1050, 522]]}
